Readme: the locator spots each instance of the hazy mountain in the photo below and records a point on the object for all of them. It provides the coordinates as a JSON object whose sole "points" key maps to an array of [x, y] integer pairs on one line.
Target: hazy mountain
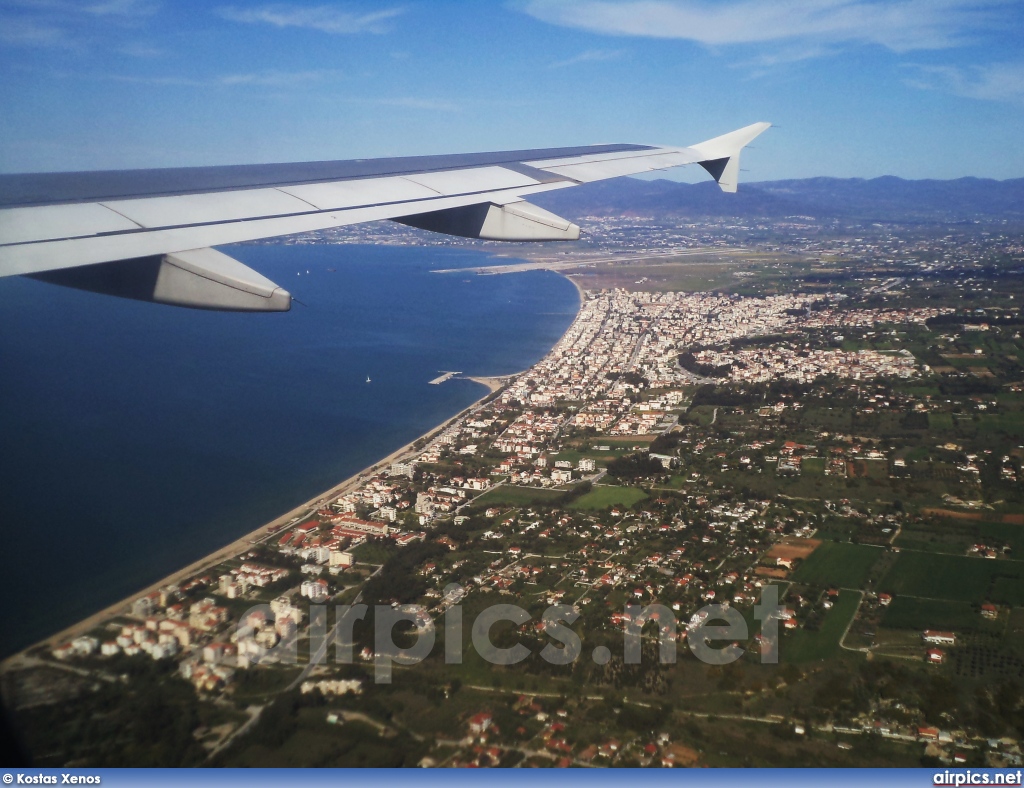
{"points": [[879, 199]]}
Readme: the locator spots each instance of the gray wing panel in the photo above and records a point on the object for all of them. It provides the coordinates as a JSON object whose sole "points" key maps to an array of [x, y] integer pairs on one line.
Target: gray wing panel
{"points": [[47, 255], [56, 221], [53, 188]]}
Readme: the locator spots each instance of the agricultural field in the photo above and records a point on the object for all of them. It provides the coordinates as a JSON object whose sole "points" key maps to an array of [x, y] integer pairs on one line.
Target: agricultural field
{"points": [[603, 496], [956, 578], [805, 645], [793, 548], [1002, 424], [906, 612], [956, 536], [510, 495], [838, 564]]}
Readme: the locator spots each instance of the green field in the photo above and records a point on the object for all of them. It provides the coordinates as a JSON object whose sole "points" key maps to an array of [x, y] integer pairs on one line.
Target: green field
{"points": [[910, 613], [1002, 424], [509, 495], [956, 536], [813, 465], [600, 457], [956, 578], [807, 646], [838, 564], [701, 414], [602, 497], [1008, 589]]}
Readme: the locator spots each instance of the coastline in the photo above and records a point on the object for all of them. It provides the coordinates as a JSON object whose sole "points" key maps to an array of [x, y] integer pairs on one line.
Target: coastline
{"points": [[262, 533], [246, 541], [494, 383]]}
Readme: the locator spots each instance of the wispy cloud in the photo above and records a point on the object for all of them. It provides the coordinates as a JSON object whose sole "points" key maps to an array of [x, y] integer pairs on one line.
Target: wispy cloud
{"points": [[123, 8], [65, 24], [255, 79], [412, 102], [141, 50], [789, 55], [325, 18], [899, 25], [994, 82], [279, 78], [590, 56], [29, 32]]}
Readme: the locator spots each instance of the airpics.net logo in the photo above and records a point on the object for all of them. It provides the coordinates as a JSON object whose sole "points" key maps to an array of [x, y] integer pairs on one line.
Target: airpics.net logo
{"points": [[970, 777], [712, 634]]}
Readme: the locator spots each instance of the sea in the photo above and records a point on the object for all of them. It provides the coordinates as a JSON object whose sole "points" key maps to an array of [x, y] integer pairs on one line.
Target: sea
{"points": [[136, 438]]}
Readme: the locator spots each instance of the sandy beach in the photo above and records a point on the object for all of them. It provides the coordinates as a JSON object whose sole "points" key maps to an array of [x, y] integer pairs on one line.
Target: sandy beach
{"points": [[245, 543]]}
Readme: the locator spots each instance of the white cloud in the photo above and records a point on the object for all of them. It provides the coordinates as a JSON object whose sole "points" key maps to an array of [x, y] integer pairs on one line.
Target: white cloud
{"points": [[141, 50], [789, 55], [590, 56], [124, 8], [278, 78], [410, 102], [28, 32], [994, 82], [325, 18], [899, 25], [137, 79], [255, 79], [64, 24]]}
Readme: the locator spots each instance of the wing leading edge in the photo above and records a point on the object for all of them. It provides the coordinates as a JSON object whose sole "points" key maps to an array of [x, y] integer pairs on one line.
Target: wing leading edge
{"points": [[147, 233]]}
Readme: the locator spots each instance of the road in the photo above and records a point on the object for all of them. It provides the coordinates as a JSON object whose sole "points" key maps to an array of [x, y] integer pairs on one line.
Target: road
{"points": [[254, 714], [321, 652]]}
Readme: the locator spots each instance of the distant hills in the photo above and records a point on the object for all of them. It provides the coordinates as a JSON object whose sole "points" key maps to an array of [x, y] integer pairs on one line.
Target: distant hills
{"points": [[879, 199]]}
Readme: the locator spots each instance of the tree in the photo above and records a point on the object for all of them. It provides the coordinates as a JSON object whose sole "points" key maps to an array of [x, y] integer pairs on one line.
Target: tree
{"points": [[635, 466]]}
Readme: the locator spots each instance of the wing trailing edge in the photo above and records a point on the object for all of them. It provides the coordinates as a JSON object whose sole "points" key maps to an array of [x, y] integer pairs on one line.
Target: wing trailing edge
{"points": [[514, 221]]}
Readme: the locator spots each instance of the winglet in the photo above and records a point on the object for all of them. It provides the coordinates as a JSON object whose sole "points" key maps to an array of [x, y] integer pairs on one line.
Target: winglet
{"points": [[721, 156]]}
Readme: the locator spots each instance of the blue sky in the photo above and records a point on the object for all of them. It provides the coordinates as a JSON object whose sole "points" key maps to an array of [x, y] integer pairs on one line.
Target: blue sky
{"points": [[915, 88]]}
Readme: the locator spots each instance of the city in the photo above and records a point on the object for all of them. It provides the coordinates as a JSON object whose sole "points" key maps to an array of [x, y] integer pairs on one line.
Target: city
{"points": [[849, 439]]}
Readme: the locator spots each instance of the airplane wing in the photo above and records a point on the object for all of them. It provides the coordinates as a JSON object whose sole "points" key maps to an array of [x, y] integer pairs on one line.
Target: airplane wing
{"points": [[148, 234]]}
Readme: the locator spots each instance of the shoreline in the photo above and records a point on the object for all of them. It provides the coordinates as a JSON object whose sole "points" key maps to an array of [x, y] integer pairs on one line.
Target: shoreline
{"points": [[494, 384], [248, 540], [262, 533]]}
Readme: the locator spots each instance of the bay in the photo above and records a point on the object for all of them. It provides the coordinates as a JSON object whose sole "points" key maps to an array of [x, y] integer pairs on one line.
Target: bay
{"points": [[136, 438]]}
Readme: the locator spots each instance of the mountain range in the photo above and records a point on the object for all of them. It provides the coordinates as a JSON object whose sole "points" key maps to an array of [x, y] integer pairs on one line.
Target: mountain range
{"points": [[883, 199]]}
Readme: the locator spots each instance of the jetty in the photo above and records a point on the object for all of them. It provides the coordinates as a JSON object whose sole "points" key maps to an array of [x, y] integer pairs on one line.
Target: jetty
{"points": [[443, 377]]}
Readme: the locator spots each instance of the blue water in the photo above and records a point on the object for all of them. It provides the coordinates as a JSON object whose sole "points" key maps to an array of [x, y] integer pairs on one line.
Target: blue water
{"points": [[136, 438]]}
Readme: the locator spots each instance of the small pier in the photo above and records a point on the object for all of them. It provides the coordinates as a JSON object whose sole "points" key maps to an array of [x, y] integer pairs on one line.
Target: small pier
{"points": [[443, 377]]}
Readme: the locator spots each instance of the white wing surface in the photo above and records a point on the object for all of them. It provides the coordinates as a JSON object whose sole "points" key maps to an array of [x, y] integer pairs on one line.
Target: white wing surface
{"points": [[148, 233]]}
